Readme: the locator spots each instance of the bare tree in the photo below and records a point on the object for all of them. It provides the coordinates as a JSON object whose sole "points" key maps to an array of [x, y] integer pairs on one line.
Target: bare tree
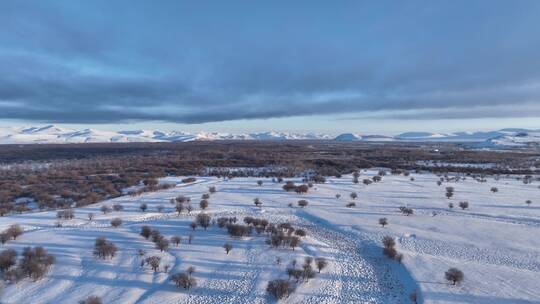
{"points": [[259, 182], [354, 195], [454, 275], [90, 216], [388, 242], [228, 247], [212, 189], [14, 231], [118, 207], [105, 209], [154, 262], [494, 189], [257, 202], [179, 207], [8, 258], [203, 204], [528, 202], [4, 237], [193, 226], [294, 241], [162, 244], [383, 221], [303, 203], [338, 195], [143, 207], [464, 205], [203, 220], [176, 240], [146, 231], [190, 238], [160, 208], [321, 263]]}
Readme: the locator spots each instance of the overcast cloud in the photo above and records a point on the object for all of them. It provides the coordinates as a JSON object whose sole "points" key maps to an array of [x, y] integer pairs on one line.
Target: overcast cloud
{"points": [[210, 61]]}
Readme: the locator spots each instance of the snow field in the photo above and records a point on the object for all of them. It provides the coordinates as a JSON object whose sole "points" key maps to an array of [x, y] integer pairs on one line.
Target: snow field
{"points": [[494, 244]]}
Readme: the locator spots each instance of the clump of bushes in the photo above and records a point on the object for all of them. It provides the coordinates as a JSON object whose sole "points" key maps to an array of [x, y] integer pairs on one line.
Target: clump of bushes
{"points": [[34, 263], [280, 288]]}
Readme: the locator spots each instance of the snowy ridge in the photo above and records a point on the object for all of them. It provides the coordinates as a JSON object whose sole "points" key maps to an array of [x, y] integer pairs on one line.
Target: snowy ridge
{"points": [[52, 134]]}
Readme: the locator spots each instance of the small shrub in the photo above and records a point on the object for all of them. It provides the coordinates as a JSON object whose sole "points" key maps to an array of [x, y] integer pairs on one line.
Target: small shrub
{"points": [[454, 275], [116, 222], [302, 203]]}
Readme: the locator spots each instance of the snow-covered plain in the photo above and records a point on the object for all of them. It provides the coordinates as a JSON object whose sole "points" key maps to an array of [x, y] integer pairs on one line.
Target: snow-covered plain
{"points": [[495, 244]]}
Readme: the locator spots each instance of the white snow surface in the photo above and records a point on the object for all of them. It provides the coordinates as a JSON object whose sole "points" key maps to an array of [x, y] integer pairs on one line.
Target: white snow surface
{"points": [[495, 243]]}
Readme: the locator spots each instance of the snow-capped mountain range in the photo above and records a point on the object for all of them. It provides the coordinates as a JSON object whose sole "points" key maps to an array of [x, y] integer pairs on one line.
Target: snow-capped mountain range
{"points": [[52, 134]]}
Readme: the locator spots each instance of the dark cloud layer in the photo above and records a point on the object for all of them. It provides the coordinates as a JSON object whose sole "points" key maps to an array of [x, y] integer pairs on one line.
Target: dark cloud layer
{"points": [[193, 62]]}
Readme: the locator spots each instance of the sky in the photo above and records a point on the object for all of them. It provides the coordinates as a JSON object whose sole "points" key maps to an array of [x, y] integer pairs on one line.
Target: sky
{"points": [[246, 66]]}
